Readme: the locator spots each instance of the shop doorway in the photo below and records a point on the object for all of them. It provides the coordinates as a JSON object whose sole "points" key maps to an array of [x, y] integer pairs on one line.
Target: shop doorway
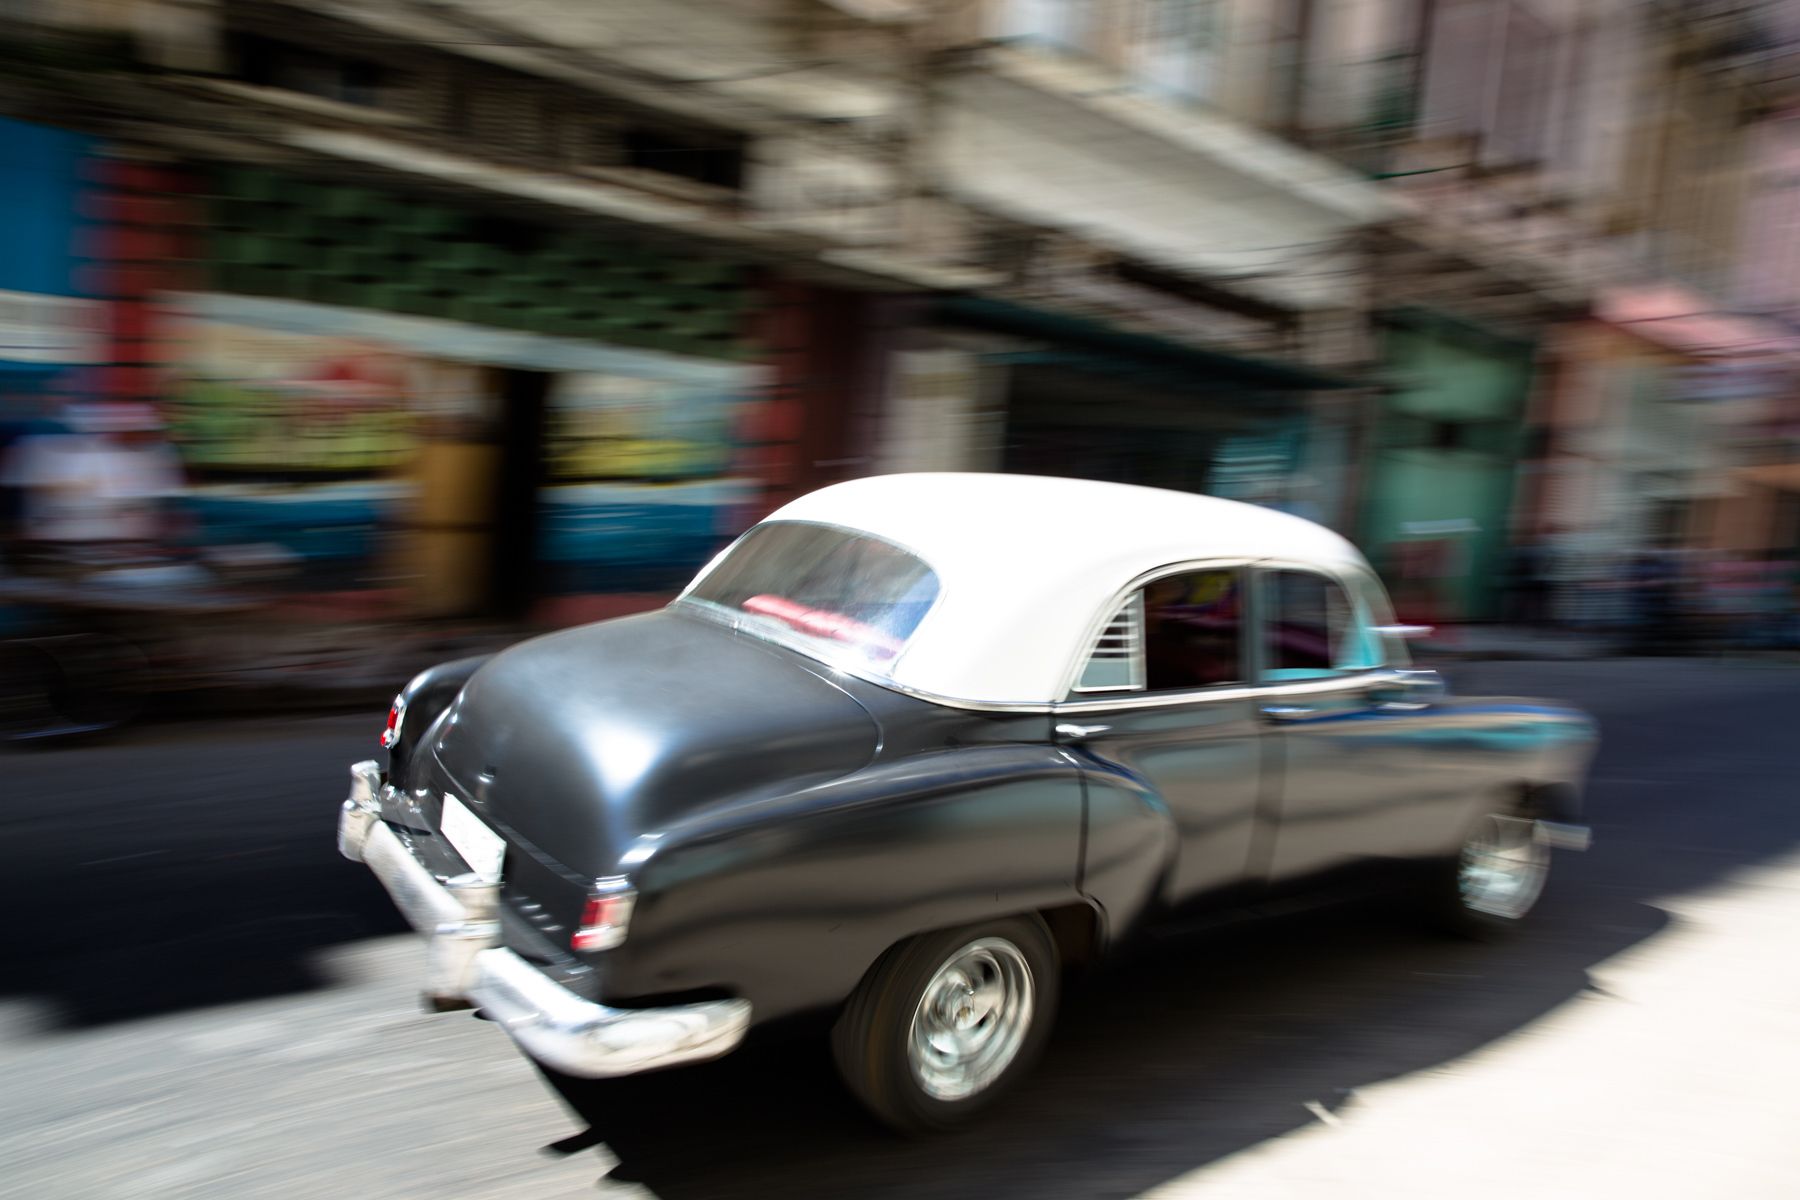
{"points": [[513, 569], [1143, 428]]}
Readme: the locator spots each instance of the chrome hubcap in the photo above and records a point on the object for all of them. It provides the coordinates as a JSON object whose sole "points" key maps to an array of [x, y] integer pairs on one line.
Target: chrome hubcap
{"points": [[971, 1019], [1503, 867]]}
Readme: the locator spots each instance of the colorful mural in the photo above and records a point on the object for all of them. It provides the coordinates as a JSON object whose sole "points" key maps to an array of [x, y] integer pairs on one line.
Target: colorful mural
{"points": [[638, 495], [302, 425], [613, 426], [248, 403], [297, 440]]}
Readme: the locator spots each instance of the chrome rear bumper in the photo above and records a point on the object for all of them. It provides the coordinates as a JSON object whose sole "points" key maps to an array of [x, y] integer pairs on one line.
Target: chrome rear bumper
{"points": [[466, 963]]}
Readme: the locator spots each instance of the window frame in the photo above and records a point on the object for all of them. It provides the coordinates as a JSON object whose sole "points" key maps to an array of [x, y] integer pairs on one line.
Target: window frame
{"points": [[1134, 592], [1363, 622], [1358, 583], [800, 643]]}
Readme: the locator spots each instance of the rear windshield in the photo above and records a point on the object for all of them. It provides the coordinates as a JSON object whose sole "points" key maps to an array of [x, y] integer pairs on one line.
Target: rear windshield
{"points": [[834, 593]]}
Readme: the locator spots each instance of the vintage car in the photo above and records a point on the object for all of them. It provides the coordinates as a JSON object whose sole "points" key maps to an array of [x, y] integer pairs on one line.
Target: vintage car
{"points": [[913, 745]]}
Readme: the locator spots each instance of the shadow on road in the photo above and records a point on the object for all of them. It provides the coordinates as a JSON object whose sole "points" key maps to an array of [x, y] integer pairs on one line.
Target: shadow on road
{"points": [[198, 869], [1159, 1066], [1205, 1046], [181, 867]]}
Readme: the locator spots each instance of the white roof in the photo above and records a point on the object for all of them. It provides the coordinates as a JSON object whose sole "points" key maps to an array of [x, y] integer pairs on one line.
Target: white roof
{"points": [[1026, 564]]}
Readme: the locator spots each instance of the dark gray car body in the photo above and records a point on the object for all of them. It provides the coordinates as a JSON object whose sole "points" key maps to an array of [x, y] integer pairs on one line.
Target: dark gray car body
{"points": [[784, 823]]}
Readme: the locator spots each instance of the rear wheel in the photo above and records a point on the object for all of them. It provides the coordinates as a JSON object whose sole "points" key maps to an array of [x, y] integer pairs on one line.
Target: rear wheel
{"points": [[944, 1023]]}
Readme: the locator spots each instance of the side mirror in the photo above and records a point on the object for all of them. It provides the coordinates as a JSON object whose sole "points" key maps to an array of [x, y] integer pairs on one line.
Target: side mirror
{"points": [[1409, 689]]}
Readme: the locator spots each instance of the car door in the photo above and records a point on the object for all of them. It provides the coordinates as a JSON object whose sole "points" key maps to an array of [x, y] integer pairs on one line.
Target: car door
{"points": [[1166, 730], [1354, 776]]}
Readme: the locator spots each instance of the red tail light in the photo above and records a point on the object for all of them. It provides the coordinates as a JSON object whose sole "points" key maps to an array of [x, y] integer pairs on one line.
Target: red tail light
{"points": [[606, 916], [396, 714]]}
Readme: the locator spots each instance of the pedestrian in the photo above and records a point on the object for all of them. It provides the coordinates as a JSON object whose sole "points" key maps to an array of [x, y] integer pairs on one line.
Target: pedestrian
{"points": [[92, 492]]}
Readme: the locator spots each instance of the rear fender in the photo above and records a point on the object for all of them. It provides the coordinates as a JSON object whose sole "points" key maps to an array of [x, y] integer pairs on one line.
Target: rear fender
{"points": [[788, 901], [425, 697]]}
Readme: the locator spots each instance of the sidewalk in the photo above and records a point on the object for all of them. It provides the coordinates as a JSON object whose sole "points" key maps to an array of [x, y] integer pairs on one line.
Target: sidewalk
{"points": [[1669, 1075]]}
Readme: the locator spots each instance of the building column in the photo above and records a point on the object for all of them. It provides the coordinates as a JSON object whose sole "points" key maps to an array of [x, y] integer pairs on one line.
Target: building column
{"points": [[814, 421], [135, 244]]}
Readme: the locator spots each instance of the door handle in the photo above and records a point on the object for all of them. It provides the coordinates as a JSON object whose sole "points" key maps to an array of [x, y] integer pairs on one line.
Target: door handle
{"points": [[1285, 712], [1077, 732]]}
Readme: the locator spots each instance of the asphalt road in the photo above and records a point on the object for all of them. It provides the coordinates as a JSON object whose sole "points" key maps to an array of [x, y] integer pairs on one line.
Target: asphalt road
{"points": [[200, 999]]}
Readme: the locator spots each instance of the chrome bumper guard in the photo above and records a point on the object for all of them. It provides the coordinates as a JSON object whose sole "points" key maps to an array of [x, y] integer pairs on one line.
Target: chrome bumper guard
{"points": [[1564, 837], [466, 963]]}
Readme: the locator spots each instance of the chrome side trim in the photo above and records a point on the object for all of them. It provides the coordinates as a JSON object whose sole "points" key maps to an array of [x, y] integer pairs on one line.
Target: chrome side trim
{"points": [[1360, 680]]}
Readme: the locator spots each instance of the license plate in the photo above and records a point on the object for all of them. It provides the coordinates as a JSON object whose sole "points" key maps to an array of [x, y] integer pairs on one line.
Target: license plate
{"points": [[479, 846]]}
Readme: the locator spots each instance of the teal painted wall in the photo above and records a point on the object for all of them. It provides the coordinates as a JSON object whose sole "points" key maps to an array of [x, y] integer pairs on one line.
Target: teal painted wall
{"points": [[40, 184], [1446, 453]]}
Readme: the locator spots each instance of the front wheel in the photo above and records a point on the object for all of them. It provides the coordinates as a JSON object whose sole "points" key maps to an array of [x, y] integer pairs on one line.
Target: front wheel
{"points": [[1496, 879], [945, 1022]]}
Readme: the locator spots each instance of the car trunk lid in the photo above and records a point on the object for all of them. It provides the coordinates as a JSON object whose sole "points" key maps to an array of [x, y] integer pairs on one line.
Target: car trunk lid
{"points": [[576, 745]]}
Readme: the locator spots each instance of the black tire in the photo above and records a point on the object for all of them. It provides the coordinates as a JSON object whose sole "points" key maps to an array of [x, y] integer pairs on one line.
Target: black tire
{"points": [[872, 1036], [1451, 904]]}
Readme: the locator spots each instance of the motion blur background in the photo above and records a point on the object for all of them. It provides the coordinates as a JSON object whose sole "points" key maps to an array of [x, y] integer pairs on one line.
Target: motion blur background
{"points": [[331, 329], [341, 337]]}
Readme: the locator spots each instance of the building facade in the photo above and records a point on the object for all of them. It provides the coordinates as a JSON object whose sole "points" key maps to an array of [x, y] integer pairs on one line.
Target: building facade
{"points": [[536, 304]]}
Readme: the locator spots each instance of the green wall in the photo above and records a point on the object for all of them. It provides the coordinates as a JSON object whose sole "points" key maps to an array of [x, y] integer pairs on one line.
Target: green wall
{"points": [[1447, 442], [274, 235]]}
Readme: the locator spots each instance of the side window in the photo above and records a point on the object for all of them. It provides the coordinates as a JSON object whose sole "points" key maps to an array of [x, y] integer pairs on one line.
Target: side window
{"points": [[1313, 628], [1193, 623], [1180, 632]]}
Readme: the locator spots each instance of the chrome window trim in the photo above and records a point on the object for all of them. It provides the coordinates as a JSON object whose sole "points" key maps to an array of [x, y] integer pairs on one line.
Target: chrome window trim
{"points": [[1096, 626], [1369, 677], [1221, 692], [918, 693], [1361, 618], [1346, 681], [1345, 577]]}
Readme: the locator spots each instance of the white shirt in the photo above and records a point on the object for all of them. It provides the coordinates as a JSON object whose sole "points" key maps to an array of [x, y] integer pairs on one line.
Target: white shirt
{"points": [[80, 488]]}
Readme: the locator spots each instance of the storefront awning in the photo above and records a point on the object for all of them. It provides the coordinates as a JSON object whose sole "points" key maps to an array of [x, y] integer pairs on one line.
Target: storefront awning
{"points": [[1064, 145], [1682, 321], [1093, 345]]}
